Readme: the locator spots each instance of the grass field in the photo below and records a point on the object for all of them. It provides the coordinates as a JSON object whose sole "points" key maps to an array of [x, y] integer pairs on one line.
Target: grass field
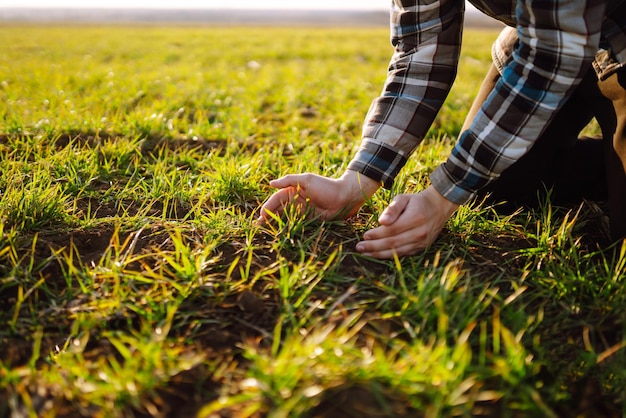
{"points": [[134, 281]]}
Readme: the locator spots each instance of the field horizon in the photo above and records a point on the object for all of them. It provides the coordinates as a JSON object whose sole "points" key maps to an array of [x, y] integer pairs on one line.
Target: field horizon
{"points": [[277, 17]]}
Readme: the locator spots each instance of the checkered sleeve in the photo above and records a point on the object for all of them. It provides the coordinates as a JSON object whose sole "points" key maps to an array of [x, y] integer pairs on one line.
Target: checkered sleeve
{"points": [[427, 38], [557, 42]]}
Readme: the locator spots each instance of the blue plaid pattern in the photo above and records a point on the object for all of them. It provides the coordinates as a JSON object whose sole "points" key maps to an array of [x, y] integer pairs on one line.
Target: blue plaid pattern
{"points": [[558, 40]]}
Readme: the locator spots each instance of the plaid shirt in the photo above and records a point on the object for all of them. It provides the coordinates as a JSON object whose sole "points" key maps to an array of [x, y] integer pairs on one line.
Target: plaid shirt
{"points": [[558, 42]]}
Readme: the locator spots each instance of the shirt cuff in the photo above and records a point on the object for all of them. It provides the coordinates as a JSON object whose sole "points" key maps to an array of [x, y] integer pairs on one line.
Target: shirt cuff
{"points": [[446, 186], [378, 161]]}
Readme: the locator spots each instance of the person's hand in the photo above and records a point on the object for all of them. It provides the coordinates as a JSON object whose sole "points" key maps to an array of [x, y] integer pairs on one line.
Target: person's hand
{"points": [[408, 225], [322, 197]]}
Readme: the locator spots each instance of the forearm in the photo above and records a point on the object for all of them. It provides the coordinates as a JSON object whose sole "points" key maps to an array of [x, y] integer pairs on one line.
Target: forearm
{"points": [[427, 44], [550, 61]]}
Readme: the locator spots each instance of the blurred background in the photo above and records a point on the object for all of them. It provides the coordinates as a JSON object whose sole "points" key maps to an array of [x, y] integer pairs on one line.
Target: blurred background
{"points": [[269, 12]]}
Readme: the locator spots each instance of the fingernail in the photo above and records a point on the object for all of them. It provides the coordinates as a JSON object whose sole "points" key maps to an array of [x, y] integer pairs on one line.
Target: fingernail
{"points": [[360, 247]]}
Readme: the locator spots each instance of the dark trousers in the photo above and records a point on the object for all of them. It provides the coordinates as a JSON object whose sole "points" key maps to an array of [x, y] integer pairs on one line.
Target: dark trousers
{"points": [[569, 167]]}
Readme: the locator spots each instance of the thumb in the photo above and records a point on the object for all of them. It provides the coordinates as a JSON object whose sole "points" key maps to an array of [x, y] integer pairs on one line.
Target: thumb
{"points": [[394, 210]]}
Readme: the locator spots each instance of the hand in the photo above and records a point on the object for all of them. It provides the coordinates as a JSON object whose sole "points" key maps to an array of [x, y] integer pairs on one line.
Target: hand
{"points": [[408, 225], [326, 198]]}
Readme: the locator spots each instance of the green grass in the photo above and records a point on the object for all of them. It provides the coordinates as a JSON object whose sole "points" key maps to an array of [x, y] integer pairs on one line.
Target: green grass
{"points": [[135, 282]]}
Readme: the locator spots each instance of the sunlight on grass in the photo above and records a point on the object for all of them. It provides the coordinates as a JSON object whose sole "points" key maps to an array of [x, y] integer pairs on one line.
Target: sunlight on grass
{"points": [[135, 280], [314, 367]]}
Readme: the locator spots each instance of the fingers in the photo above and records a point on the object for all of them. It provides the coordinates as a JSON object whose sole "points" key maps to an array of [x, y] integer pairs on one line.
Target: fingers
{"points": [[388, 231], [289, 185], [389, 253], [291, 180], [395, 209], [410, 224], [392, 221], [383, 242], [277, 202]]}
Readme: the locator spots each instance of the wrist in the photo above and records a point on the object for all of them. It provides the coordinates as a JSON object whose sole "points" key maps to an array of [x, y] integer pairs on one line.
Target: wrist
{"points": [[446, 206], [359, 187]]}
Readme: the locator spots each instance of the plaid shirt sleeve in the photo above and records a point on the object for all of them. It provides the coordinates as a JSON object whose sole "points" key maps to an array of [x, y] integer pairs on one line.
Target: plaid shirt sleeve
{"points": [[558, 40], [427, 42]]}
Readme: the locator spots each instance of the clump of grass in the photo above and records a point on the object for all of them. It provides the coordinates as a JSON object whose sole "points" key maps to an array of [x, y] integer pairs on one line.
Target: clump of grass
{"points": [[33, 204], [430, 378], [236, 186]]}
